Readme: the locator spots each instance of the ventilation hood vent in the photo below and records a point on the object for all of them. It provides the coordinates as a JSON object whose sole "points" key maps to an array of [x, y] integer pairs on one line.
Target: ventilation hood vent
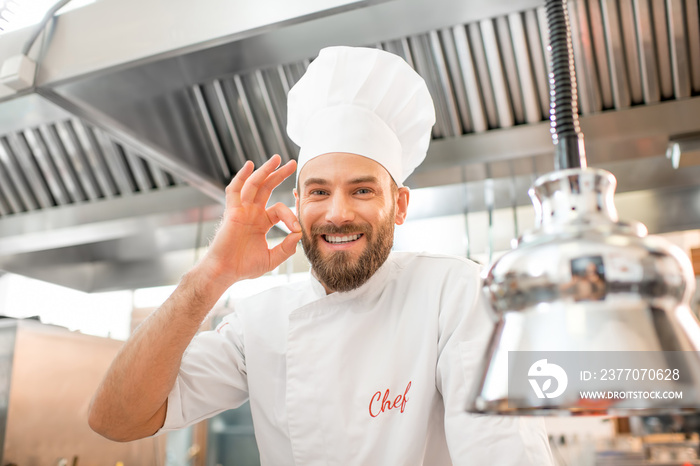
{"points": [[162, 126]]}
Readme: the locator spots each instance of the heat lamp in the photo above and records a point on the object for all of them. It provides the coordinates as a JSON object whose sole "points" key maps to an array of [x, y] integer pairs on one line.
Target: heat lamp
{"points": [[593, 314]]}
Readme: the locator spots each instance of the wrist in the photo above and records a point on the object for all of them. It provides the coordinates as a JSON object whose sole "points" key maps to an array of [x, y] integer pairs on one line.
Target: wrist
{"points": [[206, 283]]}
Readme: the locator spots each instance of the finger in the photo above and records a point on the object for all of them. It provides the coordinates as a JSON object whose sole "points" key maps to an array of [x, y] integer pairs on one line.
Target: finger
{"points": [[233, 190], [285, 249], [253, 183], [274, 180], [281, 213]]}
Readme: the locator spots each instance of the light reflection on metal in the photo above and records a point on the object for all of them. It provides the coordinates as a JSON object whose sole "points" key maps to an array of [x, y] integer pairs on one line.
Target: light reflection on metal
{"points": [[684, 150], [580, 271]]}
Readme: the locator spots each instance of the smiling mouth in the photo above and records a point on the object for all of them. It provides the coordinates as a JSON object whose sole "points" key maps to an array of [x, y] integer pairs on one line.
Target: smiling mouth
{"points": [[335, 239]]}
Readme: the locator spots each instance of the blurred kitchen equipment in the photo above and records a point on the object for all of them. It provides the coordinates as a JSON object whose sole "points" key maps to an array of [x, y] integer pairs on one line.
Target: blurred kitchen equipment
{"points": [[47, 377], [582, 280]]}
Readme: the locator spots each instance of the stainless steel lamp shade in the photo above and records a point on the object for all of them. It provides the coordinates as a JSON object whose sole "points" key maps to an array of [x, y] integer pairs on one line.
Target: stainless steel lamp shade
{"points": [[584, 282], [587, 290]]}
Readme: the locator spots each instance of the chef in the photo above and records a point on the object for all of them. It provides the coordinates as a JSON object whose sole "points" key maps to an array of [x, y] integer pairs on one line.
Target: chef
{"points": [[370, 361]]}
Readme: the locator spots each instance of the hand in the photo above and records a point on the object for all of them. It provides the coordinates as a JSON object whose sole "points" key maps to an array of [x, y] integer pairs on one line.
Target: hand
{"points": [[239, 249]]}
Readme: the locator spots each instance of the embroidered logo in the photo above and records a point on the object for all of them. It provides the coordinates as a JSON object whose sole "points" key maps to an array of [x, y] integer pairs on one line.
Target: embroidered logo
{"points": [[380, 403]]}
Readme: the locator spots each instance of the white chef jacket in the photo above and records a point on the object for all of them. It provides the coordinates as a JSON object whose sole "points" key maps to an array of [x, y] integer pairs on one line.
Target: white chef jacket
{"points": [[379, 375]]}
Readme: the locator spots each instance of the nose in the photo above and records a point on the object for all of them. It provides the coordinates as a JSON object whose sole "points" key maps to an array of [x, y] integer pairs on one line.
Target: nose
{"points": [[339, 210]]}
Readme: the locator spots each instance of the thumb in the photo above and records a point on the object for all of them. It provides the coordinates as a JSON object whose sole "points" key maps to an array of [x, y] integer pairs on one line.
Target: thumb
{"points": [[284, 250]]}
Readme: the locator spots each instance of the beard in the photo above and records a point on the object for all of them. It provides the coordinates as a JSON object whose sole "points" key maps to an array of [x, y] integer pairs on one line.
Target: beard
{"points": [[337, 270]]}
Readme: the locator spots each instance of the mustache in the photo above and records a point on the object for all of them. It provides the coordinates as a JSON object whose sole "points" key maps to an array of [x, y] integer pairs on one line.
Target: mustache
{"points": [[341, 230]]}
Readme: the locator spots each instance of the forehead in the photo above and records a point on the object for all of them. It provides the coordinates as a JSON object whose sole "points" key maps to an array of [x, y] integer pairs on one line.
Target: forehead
{"points": [[339, 167]]}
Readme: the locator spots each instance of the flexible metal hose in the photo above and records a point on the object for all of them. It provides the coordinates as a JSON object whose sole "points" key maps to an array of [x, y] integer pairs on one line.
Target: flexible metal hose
{"points": [[42, 24], [563, 112]]}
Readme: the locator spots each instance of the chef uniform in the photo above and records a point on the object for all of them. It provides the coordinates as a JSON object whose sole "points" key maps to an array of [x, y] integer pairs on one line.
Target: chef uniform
{"points": [[379, 375]]}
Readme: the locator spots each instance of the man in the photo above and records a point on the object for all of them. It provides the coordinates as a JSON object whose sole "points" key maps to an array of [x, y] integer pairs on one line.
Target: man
{"points": [[368, 363]]}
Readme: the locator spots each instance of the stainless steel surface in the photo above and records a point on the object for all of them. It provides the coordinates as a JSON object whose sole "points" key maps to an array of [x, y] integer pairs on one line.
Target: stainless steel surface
{"points": [[674, 207], [525, 69], [256, 145], [172, 113], [597, 36], [95, 159], [114, 163], [48, 376], [496, 72], [17, 145], [635, 134], [675, 11], [473, 114], [101, 221], [647, 53], [460, 105], [693, 18], [236, 35], [586, 70], [66, 172], [190, 96], [544, 40], [616, 52], [505, 46], [421, 57], [81, 45], [146, 239], [47, 167], [642, 287], [539, 64], [629, 40], [485, 85], [28, 111], [15, 177], [274, 112], [68, 146], [447, 105], [581, 281], [663, 60], [147, 103], [237, 146], [569, 148], [209, 125]]}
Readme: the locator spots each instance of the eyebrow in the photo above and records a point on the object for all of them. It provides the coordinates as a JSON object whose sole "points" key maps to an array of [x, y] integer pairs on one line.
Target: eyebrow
{"points": [[311, 181], [364, 179], [358, 180]]}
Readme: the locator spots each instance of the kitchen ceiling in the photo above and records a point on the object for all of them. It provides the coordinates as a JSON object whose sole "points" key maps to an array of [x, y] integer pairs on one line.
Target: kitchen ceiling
{"points": [[112, 166]]}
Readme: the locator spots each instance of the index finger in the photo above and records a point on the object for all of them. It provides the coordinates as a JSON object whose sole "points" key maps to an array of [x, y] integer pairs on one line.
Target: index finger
{"points": [[233, 190], [253, 183], [274, 180]]}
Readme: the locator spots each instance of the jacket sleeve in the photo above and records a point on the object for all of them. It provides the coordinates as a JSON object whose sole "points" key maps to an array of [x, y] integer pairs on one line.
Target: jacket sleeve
{"points": [[473, 439], [212, 376]]}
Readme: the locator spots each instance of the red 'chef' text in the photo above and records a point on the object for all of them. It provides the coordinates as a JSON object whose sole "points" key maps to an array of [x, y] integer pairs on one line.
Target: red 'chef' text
{"points": [[378, 404]]}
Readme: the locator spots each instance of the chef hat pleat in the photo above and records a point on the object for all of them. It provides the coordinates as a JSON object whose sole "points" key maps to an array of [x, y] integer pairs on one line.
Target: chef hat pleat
{"points": [[362, 101]]}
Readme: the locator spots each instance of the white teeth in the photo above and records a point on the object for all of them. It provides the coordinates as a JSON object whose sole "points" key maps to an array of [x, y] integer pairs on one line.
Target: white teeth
{"points": [[341, 239]]}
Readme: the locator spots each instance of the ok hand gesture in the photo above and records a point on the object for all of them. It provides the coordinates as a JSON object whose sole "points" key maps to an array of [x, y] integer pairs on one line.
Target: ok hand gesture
{"points": [[239, 249]]}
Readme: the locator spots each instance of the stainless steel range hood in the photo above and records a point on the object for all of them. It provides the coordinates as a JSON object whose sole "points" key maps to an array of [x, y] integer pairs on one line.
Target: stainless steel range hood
{"points": [[112, 166]]}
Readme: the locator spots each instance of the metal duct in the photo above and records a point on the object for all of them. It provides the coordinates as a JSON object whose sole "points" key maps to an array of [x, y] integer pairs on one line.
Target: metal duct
{"points": [[69, 162], [143, 125], [485, 75]]}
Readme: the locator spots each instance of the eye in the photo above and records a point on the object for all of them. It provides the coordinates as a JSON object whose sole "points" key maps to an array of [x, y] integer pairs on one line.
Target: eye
{"points": [[363, 191], [318, 192]]}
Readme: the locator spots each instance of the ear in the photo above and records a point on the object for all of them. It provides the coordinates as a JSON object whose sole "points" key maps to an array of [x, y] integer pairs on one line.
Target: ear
{"points": [[401, 205]]}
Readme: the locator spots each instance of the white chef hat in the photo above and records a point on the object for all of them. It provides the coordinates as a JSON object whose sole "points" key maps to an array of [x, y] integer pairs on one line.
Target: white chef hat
{"points": [[362, 101]]}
